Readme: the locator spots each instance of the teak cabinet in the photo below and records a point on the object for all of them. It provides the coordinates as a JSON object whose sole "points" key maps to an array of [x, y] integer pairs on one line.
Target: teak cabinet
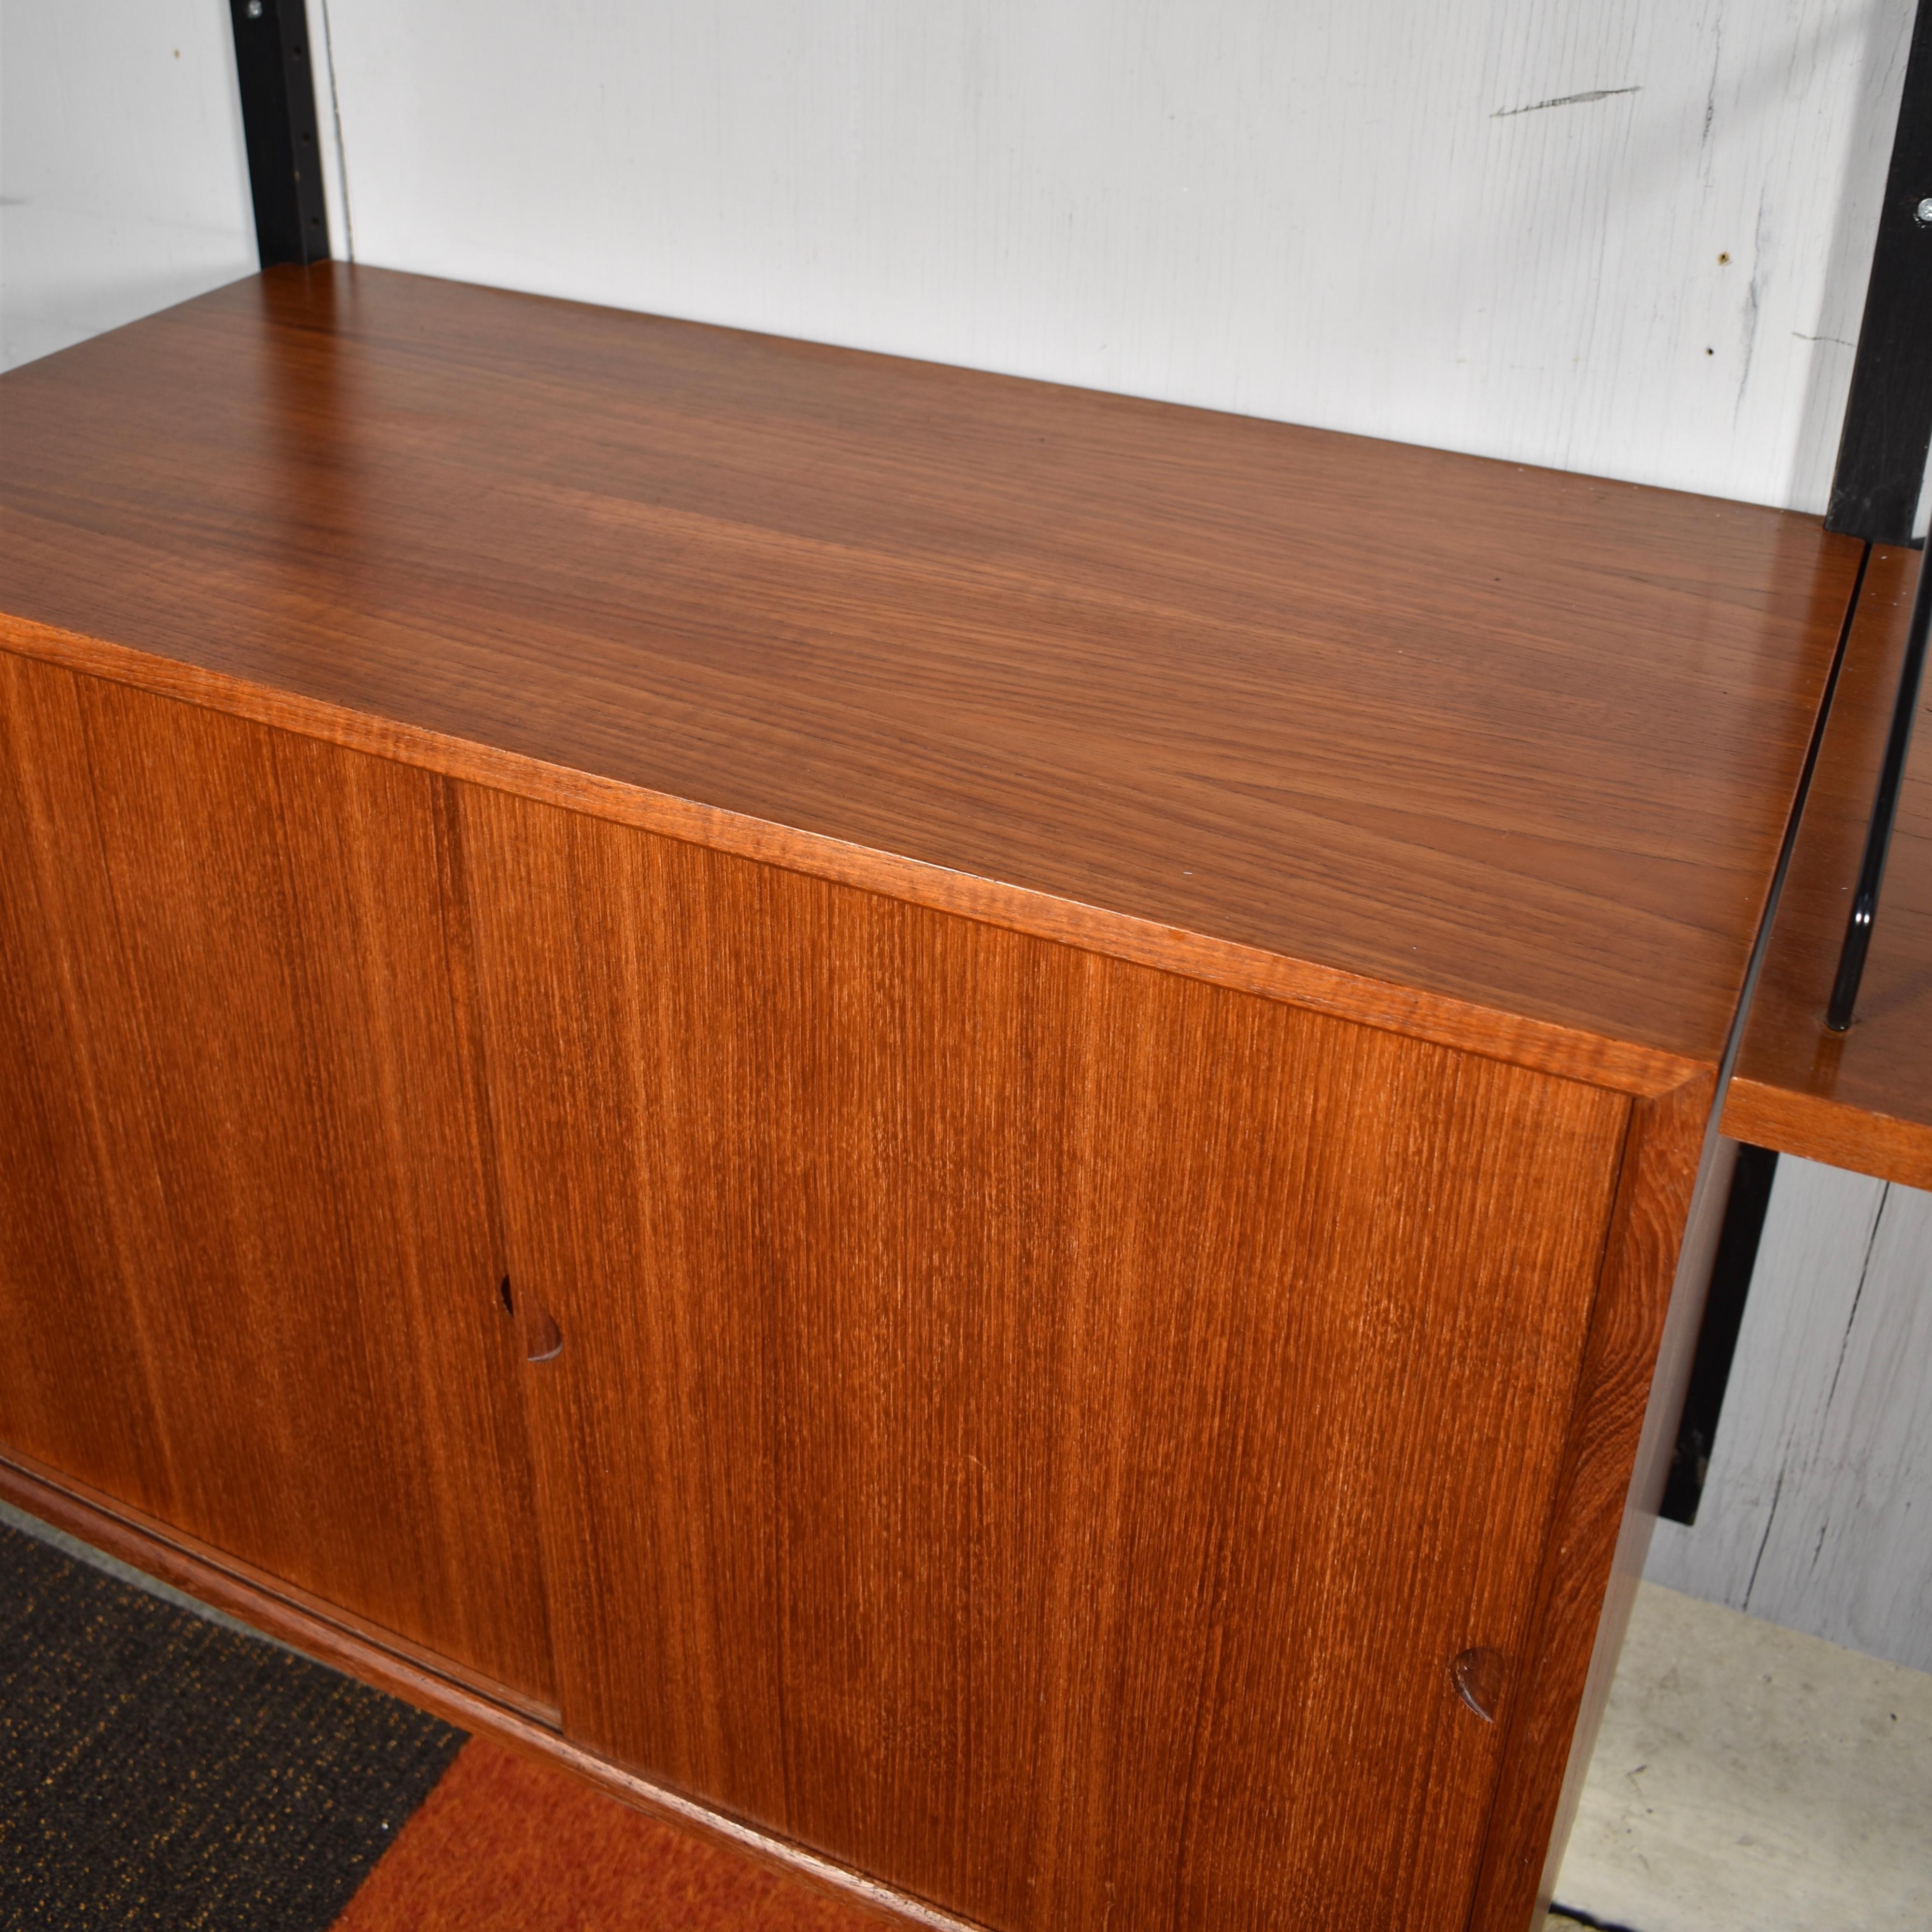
{"points": [[992, 1205], [1005, 1396]]}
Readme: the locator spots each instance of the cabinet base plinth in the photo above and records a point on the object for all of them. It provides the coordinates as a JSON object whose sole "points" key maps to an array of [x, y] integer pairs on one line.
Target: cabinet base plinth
{"points": [[362, 1657]]}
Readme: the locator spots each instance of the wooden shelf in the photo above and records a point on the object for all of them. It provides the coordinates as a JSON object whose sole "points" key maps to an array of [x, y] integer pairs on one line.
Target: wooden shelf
{"points": [[1516, 741], [1861, 1099]]}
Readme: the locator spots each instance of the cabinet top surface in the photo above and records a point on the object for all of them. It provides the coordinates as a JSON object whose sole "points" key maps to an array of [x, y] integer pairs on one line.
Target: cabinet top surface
{"points": [[1861, 1099], [1522, 739]]}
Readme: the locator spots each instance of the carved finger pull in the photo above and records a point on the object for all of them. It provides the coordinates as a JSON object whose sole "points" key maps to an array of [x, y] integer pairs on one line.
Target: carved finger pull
{"points": [[1477, 1674], [543, 1340]]}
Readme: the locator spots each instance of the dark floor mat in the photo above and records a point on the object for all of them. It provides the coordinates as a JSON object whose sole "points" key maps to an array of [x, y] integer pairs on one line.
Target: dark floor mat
{"points": [[158, 1771]]}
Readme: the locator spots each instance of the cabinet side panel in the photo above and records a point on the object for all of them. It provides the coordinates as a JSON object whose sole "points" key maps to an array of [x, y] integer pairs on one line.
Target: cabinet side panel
{"points": [[1655, 1271], [74, 1385], [1027, 1427], [337, 1387]]}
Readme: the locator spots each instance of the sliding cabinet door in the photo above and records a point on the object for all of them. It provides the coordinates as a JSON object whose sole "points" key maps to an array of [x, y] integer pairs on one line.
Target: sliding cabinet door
{"points": [[76, 1222], [294, 1267], [1034, 1429]]}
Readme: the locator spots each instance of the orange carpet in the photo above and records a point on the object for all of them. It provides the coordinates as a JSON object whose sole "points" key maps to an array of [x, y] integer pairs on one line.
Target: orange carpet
{"points": [[503, 1844]]}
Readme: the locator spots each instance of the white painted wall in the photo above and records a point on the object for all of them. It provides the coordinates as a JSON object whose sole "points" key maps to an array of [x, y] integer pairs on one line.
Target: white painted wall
{"points": [[1359, 216], [1353, 215], [1817, 1509], [124, 185]]}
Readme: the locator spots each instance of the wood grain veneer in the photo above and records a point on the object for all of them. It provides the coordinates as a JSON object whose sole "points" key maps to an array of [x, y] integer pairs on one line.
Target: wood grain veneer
{"points": [[1861, 1099], [1519, 741], [75, 1387], [299, 1308], [1092, 1022], [1028, 1425]]}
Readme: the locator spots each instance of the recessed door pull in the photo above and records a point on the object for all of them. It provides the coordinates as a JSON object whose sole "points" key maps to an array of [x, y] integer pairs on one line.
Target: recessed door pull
{"points": [[1477, 1674], [544, 1337], [543, 1340]]}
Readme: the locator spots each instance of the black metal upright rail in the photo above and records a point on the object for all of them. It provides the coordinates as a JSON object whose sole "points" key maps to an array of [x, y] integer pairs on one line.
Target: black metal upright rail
{"points": [[1882, 454], [1888, 427], [1884, 811], [272, 65], [1875, 491]]}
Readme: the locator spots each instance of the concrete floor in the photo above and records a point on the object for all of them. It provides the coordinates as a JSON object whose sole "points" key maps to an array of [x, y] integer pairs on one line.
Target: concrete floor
{"points": [[1748, 1779]]}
